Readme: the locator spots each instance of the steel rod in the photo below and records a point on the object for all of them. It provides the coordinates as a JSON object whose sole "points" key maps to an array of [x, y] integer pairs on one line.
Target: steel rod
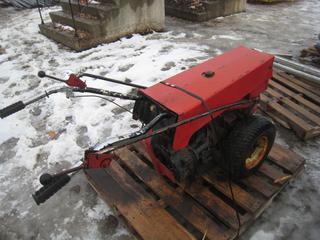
{"points": [[70, 170], [38, 5], [298, 73], [297, 66], [73, 20], [111, 80]]}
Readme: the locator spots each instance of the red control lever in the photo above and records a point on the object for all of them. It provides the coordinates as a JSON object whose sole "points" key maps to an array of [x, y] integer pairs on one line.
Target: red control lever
{"points": [[74, 81]]}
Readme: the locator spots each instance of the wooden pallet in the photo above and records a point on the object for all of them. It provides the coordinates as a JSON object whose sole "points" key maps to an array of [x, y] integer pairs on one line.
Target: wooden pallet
{"points": [[155, 209], [310, 52], [293, 103]]}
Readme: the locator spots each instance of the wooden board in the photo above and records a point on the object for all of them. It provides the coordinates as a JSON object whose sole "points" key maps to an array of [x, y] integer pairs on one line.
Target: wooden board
{"points": [[311, 51], [154, 208], [293, 103], [310, 56]]}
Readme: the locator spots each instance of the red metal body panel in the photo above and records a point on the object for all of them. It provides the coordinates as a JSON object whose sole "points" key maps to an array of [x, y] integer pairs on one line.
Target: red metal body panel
{"points": [[159, 166], [238, 73], [94, 160]]}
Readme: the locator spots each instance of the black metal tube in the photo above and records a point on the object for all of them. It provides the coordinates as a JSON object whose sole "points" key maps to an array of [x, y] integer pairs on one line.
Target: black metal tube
{"points": [[86, 90], [73, 20], [67, 171], [111, 80], [38, 5], [106, 93], [122, 143]]}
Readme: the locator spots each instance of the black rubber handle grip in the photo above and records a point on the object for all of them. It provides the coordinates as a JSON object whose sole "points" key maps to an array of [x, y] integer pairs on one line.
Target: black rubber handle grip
{"points": [[13, 108], [47, 191]]}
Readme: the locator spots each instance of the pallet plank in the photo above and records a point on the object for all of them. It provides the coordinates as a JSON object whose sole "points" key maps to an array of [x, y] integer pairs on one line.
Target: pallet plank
{"points": [[142, 212], [314, 118], [314, 89], [299, 125], [274, 116], [295, 96], [260, 185], [210, 201], [187, 207], [216, 205], [243, 198], [271, 171], [285, 158], [297, 88]]}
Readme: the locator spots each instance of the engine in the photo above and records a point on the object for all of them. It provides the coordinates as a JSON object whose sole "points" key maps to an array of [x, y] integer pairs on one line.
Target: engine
{"points": [[239, 74], [202, 151]]}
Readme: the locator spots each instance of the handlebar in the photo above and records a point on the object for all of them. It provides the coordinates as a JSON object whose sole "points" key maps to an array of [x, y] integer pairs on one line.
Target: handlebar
{"points": [[11, 109], [50, 187]]}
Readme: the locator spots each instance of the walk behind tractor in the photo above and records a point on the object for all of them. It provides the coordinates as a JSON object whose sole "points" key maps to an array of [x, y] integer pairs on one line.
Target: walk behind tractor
{"points": [[199, 119]]}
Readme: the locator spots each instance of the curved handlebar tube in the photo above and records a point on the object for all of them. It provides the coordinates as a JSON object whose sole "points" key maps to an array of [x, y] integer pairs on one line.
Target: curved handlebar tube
{"points": [[13, 108]]}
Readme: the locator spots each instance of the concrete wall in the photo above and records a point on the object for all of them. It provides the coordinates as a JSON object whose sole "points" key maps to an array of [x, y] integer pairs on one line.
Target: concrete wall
{"points": [[135, 16], [112, 21], [233, 6], [204, 10]]}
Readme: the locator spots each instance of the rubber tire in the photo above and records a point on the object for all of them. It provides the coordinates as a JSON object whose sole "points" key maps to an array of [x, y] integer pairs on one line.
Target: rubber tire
{"points": [[240, 143]]}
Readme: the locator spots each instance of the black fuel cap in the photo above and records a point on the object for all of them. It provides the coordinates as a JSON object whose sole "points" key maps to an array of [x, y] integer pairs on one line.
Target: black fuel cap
{"points": [[208, 74]]}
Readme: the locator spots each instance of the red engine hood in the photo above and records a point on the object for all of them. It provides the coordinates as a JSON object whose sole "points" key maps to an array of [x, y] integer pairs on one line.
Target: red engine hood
{"points": [[238, 73]]}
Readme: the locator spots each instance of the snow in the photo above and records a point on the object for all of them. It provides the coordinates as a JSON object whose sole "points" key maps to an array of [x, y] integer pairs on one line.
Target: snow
{"points": [[79, 122], [227, 37], [26, 150]]}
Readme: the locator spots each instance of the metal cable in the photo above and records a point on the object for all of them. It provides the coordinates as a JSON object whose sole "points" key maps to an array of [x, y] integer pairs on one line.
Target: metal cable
{"points": [[127, 110], [212, 128]]}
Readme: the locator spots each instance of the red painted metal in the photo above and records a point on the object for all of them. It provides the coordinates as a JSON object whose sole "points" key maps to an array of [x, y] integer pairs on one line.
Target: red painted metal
{"points": [[239, 73], [93, 159], [159, 166], [74, 81]]}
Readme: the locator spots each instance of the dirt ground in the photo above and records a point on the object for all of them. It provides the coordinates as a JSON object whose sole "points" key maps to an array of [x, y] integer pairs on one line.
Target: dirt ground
{"points": [[76, 212]]}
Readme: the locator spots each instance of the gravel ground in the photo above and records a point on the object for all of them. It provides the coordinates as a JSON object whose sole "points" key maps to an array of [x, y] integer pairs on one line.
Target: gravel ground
{"points": [[26, 149]]}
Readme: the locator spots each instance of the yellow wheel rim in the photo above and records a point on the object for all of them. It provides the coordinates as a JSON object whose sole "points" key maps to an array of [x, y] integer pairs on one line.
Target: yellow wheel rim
{"points": [[258, 153]]}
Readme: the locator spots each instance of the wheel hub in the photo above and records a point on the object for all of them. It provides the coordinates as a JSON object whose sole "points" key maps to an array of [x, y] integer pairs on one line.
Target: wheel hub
{"points": [[258, 153]]}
